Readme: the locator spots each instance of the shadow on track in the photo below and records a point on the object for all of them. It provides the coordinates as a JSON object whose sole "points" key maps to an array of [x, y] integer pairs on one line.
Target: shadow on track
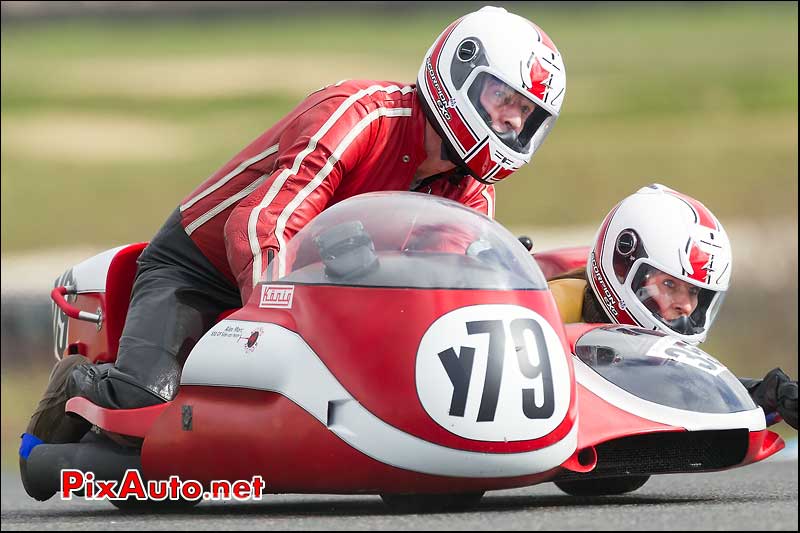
{"points": [[372, 506]]}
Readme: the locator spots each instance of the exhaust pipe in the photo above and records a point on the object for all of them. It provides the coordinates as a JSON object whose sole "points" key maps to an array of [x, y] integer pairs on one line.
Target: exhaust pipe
{"points": [[41, 471], [582, 461]]}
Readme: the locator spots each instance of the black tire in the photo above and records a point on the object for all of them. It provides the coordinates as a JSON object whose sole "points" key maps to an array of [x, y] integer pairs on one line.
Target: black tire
{"points": [[608, 486], [132, 505], [431, 503]]}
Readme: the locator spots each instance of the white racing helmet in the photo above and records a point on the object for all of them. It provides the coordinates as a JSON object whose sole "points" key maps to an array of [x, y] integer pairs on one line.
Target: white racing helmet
{"points": [[648, 245], [491, 46]]}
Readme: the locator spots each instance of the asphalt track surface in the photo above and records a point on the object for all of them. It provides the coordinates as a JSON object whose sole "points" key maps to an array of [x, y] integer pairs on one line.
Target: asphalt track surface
{"points": [[753, 498]]}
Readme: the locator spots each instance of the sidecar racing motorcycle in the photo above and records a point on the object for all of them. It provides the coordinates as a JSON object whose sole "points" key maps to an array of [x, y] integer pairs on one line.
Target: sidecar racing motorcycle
{"points": [[412, 350]]}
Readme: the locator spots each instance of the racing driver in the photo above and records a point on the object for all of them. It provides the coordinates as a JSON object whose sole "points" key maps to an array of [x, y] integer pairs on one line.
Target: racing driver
{"points": [[488, 93]]}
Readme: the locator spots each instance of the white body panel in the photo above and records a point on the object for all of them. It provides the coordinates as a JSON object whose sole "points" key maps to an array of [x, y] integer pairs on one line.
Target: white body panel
{"points": [[280, 361], [90, 275]]}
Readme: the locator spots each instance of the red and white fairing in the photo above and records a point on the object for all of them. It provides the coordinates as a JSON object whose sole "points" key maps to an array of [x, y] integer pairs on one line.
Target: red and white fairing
{"points": [[686, 391], [413, 347], [416, 376], [651, 383]]}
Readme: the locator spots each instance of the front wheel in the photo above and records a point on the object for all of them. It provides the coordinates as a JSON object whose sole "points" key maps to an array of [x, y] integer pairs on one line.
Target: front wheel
{"points": [[431, 503], [608, 486]]}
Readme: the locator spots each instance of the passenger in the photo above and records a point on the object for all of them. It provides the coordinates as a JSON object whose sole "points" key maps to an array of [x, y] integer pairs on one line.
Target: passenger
{"points": [[661, 260]]}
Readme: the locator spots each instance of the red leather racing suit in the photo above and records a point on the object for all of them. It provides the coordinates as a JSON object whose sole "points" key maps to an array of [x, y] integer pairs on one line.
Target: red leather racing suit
{"points": [[350, 138], [345, 139]]}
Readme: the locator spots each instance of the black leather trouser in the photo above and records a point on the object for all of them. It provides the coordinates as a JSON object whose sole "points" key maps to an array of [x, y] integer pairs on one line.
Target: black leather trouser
{"points": [[176, 298]]}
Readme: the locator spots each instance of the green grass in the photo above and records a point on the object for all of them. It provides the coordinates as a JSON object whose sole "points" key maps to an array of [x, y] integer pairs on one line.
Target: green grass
{"points": [[700, 97], [21, 391]]}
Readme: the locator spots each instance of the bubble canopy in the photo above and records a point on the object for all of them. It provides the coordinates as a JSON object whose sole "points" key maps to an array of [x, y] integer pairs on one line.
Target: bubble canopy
{"points": [[662, 369], [411, 240]]}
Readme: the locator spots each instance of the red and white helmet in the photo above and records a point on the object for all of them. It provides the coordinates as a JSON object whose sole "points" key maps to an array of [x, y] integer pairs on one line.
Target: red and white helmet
{"points": [[651, 243], [491, 44]]}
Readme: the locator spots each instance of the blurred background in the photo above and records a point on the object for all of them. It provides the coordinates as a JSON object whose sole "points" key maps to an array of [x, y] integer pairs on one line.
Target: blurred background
{"points": [[113, 111]]}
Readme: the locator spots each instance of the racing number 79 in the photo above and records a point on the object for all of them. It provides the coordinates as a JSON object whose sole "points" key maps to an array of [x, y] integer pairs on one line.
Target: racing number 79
{"points": [[459, 369]]}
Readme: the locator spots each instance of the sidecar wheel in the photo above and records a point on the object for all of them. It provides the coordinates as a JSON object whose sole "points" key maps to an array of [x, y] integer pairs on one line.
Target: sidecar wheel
{"points": [[609, 486], [132, 505], [431, 503]]}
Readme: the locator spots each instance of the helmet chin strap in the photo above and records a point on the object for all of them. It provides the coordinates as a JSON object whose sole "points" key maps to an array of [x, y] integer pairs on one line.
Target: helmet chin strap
{"points": [[449, 155]]}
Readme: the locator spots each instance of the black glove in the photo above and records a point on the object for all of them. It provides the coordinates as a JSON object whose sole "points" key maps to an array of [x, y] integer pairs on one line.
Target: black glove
{"points": [[776, 392], [787, 402], [347, 251]]}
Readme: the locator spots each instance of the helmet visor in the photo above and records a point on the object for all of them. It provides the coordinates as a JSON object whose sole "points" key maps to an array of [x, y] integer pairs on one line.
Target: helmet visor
{"points": [[683, 307], [512, 116]]}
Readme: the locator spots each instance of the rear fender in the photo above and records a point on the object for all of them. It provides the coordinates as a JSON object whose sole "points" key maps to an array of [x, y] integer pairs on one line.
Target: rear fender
{"points": [[101, 285]]}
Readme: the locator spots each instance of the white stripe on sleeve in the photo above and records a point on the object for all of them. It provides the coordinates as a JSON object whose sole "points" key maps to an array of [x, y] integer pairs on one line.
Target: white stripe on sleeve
{"points": [[230, 175], [252, 224], [222, 206], [323, 173]]}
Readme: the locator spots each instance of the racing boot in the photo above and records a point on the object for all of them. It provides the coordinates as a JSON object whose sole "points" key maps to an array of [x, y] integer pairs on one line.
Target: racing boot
{"points": [[775, 393], [49, 422], [109, 387]]}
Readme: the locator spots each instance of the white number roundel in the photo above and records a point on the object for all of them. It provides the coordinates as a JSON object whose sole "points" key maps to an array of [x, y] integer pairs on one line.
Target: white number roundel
{"points": [[493, 373]]}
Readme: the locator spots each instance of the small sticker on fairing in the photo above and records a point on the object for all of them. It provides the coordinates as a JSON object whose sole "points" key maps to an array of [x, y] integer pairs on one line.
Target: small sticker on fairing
{"points": [[276, 296], [228, 330], [60, 319], [251, 340], [493, 373]]}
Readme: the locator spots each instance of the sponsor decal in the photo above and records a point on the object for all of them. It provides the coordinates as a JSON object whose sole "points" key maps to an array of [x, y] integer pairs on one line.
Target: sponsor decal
{"points": [[605, 291], [248, 338], [230, 332], [276, 296], [448, 104], [442, 102], [251, 340]]}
